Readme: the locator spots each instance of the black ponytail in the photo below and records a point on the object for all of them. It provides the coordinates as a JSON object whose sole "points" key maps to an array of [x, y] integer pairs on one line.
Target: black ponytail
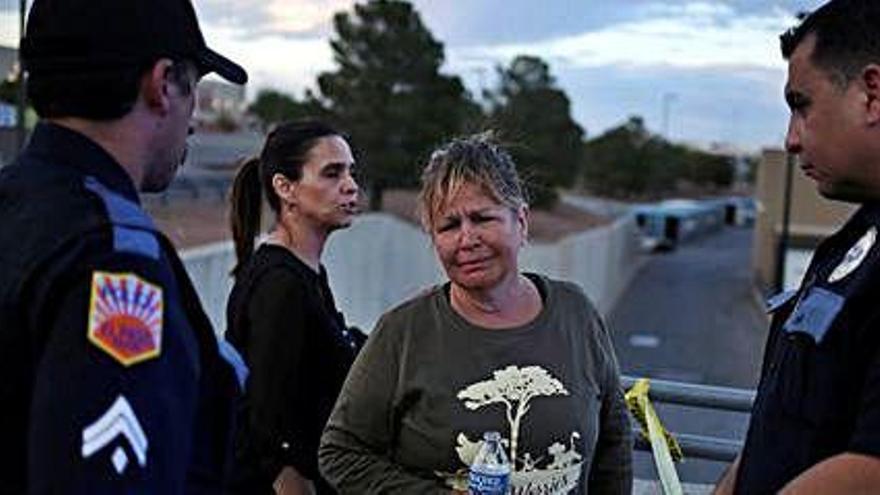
{"points": [[244, 216], [285, 151]]}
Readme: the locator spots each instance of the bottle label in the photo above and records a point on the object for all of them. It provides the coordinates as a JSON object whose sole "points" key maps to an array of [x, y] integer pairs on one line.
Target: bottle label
{"points": [[481, 483]]}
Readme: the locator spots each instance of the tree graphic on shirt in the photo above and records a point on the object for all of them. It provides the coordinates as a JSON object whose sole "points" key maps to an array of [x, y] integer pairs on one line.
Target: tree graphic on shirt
{"points": [[514, 388]]}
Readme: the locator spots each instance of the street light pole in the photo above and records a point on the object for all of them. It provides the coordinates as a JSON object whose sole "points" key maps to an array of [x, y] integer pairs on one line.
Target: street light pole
{"points": [[782, 246], [21, 79], [668, 98]]}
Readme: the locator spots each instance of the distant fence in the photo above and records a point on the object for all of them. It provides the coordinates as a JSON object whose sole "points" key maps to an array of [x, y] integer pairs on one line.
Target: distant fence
{"points": [[381, 261]]}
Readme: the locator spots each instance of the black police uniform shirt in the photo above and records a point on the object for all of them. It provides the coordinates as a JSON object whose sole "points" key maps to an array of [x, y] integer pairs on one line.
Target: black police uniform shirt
{"points": [[283, 320], [819, 393], [113, 381]]}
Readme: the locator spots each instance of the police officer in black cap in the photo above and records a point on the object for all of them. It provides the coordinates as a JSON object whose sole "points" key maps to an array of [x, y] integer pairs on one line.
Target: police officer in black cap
{"points": [[112, 378], [815, 426]]}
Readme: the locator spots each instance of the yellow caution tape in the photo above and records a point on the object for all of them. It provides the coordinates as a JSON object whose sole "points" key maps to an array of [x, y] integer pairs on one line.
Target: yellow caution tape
{"points": [[664, 446]]}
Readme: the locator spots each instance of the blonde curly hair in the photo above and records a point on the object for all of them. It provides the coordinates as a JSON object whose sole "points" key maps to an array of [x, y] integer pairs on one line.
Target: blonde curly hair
{"points": [[477, 160]]}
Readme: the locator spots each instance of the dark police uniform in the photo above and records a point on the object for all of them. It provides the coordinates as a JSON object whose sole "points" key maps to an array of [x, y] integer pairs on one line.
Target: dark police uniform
{"points": [[112, 378], [819, 393]]}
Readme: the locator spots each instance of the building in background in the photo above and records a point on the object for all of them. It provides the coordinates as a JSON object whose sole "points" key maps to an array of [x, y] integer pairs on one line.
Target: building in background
{"points": [[8, 62], [220, 106], [811, 219], [8, 73], [9, 133]]}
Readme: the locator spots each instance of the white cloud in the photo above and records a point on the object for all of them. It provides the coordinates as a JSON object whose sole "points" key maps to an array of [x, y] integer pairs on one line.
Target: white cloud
{"points": [[274, 61], [690, 9], [256, 18], [279, 42], [9, 28], [693, 35], [299, 16]]}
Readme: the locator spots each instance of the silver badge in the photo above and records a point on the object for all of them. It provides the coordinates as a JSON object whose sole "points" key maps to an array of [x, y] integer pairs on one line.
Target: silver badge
{"points": [[855, 256]]}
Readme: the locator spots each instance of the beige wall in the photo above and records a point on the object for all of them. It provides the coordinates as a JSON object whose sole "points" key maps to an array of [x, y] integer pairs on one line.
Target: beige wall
{"points": [[812, 217]]}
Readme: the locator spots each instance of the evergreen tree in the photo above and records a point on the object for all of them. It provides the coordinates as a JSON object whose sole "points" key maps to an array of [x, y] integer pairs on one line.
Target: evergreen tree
{"points": [[629, 161], [271, 107], [388, 92], [535, 115], [9, 91]]}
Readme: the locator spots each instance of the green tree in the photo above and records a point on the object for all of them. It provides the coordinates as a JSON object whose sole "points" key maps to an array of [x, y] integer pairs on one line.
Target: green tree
{"points": [[616, 161], [272, 106], [752, 163], [9, 91], [531, 111], [629, 161], [388, 93]]}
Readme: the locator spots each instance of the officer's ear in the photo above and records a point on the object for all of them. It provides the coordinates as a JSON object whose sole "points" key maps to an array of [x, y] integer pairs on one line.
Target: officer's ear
{"points": [[155, 84], [870, 83]]}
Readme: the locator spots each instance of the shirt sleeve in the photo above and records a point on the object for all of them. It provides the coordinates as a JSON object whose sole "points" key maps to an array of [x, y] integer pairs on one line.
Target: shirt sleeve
{"points": [[356, 448], [611, 471], [116, 386], [274, 351]]}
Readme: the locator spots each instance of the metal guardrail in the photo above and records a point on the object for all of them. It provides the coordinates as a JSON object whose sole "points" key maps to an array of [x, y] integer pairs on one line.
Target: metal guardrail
{"points": [[700, 396]]}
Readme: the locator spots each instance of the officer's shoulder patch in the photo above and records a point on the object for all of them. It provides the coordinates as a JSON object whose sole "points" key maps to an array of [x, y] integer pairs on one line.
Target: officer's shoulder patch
{"points": [[855, 256], [125, 317]]}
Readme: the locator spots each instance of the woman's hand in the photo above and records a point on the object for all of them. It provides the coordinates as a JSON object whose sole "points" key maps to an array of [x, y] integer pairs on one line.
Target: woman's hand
{"points": [[290, 482]]}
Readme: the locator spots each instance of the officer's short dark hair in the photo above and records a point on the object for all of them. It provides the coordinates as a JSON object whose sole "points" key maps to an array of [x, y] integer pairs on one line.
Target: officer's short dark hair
{"points": [[96, 95], [847, 37], [86, 58]]}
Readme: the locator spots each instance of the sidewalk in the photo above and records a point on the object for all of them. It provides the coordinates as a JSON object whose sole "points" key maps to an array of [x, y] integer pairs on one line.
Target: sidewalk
{"points": [[647, 487]]}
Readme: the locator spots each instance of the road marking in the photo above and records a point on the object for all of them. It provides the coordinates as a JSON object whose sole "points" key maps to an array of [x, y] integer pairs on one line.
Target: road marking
{"points": [[644, 340]]}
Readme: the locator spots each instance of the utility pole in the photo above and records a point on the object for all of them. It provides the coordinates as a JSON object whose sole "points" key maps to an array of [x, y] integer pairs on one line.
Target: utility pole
{"points": [[668, 98], [22, 131], [782, 245]]}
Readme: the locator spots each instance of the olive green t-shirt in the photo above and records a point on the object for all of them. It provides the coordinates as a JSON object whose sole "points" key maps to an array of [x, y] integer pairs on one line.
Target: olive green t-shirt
{"points": [[428, 384]]}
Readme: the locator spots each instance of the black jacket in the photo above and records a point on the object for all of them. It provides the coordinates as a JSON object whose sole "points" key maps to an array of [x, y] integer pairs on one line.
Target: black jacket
{"points": [[819, 394], [283, 320], [112, 377]]}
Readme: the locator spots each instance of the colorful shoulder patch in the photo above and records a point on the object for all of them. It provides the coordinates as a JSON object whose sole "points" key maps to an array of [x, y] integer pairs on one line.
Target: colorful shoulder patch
{"points": [[125, 317]]}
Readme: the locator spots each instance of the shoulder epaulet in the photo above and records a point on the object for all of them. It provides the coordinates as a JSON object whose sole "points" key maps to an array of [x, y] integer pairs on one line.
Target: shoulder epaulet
{"points": [[133, 231]]}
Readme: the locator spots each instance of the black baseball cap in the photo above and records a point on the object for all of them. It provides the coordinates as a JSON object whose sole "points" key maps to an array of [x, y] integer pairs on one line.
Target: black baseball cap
{"points": [[79, 36]]}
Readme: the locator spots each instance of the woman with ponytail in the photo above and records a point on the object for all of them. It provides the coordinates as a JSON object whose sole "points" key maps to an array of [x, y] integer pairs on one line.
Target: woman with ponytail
{"points": [[281, 315]]}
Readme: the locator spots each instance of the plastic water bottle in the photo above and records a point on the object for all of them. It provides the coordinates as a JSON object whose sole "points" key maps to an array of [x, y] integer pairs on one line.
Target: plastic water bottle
{"points": [[490, 472]]}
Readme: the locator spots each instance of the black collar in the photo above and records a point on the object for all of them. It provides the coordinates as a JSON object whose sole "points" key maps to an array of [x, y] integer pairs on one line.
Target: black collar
{"points": [[59, 145]]}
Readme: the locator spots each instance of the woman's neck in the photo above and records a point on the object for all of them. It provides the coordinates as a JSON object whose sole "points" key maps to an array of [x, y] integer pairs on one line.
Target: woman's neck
{"points": [[514, 302], [299, 238]]}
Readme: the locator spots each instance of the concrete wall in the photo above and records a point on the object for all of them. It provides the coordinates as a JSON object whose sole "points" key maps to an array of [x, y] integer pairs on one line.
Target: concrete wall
{"points": [[381, 261]]}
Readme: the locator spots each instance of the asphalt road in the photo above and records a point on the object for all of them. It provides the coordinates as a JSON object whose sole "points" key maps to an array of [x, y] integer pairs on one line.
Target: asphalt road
{"points": [[691, 315]]}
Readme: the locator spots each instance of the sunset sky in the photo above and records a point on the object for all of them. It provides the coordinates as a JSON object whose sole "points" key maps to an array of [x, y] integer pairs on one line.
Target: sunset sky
{"points": [[715, 64]]}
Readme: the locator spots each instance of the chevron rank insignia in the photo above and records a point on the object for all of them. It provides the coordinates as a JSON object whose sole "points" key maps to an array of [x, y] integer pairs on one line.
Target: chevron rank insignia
{"points": [[118, 422], [125, 317]]}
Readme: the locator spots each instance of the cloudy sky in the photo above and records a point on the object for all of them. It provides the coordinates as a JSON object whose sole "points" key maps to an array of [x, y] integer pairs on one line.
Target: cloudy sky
{"points": [[713, 67]]}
